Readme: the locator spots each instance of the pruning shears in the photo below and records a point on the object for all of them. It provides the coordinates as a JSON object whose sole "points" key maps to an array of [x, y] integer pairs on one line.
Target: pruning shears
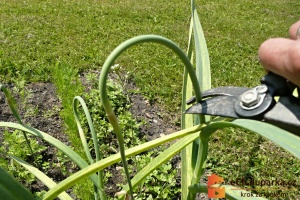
{"points": [[258, 103]]}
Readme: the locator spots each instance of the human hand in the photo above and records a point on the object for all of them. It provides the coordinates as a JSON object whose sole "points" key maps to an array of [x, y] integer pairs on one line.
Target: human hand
{"points": [[282, 56]]}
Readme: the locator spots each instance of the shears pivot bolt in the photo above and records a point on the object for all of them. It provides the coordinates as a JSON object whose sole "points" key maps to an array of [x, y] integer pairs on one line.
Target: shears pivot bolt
{"points": [[253, 98]]}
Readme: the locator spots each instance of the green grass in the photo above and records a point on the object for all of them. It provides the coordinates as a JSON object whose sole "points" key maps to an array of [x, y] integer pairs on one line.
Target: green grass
{"points": [[36, 36], [235, 29]]}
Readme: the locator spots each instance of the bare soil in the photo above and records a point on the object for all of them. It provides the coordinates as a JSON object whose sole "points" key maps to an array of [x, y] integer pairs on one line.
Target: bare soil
{"points": [[43, 99]]}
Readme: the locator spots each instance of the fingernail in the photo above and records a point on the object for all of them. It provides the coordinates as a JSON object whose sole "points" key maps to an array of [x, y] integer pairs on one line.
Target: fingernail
{"points": [[298, 33]]}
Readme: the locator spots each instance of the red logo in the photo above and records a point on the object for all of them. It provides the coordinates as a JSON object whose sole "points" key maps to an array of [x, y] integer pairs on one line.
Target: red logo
{"points": [[215, 191]]}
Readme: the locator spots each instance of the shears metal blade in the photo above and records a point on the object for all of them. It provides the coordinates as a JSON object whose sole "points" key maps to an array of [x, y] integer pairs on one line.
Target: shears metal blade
{"points": [[258, 103]]}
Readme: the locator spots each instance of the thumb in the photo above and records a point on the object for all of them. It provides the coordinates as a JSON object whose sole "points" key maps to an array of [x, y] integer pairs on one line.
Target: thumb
{"points": [[282, 56]]}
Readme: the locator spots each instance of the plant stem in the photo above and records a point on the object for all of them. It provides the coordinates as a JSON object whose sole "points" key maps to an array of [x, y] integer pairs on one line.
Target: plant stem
{"points": [[187, 121], [205, 134], [103, 79], [84, 142]]}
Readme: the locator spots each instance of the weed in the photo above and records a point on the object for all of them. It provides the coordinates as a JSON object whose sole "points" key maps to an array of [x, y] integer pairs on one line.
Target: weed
{"points": [[161, 183], [50, 113], [13, 144], [68, 86]]}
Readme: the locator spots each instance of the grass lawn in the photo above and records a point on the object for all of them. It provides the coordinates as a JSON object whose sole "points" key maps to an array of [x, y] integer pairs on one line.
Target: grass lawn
{"points": [[38, 36]]}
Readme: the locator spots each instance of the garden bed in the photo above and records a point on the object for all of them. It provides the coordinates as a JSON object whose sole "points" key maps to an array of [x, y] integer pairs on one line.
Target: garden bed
{"points": [[40, 109]]}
